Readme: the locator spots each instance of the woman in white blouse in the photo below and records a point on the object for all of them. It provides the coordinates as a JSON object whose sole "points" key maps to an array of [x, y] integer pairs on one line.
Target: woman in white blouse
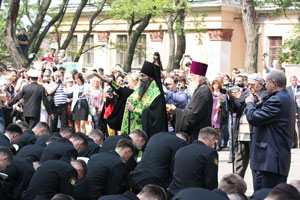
{"points": [[80, 107]]}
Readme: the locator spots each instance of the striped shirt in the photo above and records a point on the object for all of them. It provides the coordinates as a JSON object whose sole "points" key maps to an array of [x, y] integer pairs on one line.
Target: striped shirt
{"points": [[60, 97]]}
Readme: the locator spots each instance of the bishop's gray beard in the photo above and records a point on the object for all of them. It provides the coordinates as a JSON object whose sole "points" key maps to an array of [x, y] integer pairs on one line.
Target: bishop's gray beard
{"points": [[143, 88]]}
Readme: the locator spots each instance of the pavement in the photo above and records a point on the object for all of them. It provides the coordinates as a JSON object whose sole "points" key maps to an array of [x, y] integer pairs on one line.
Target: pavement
{"points": [[225, 168]]}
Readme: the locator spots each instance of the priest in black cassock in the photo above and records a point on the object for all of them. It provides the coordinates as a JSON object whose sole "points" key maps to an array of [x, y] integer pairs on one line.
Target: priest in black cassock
{"points": [[197, 113]]}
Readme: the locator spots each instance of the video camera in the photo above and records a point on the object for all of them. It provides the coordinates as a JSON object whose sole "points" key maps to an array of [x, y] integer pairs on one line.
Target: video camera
{"points": [[228, 88]]}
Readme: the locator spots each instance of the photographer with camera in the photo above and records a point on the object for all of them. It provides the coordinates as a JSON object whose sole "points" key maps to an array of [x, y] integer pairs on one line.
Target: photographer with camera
{"points": [[236, 97], [242, 128], [173, 95], [57, 90]]}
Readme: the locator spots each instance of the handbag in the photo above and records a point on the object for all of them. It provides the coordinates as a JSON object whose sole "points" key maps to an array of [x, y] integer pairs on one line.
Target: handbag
{"points": [[92, 109]]}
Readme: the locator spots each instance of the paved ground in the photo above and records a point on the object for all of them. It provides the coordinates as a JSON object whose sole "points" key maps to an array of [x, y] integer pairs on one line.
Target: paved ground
{"points": [[225, 168]]}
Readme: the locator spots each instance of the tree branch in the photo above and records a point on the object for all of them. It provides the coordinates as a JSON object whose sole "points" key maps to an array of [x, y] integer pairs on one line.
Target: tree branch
{"points": [[74, 24]]}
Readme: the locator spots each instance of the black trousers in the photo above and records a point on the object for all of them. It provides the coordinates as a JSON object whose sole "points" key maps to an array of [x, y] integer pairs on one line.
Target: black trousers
{"points": [[267, 180], [32, 121], [242, 157], [62, 112]]}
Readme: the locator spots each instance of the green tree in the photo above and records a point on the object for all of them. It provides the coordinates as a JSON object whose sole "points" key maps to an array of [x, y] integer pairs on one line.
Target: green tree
{"points": [[137, 13], [170, 11], [291, 48]]}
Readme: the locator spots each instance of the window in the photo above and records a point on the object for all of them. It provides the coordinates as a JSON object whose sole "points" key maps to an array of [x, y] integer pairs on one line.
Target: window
{"points": [[88, 55], [140, 51], [121, 47], [275, 48], [72, 48], [139, 54]]}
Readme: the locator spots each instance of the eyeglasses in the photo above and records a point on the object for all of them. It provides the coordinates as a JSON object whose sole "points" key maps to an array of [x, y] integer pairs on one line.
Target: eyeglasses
{"points": [[167, 84]]}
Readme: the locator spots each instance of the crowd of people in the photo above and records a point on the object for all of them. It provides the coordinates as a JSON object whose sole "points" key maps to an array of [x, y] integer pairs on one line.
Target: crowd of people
{"points": [[145, 135]]}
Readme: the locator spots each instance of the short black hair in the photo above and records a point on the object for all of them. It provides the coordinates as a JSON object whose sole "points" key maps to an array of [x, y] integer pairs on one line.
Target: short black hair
{"points": [[80, 136], [152, 191], [52, 139], [96, 133], [82, 164], [185, 136], [284, 191], [208, 131], [23, 124], [67, 130], [5, 151], [125, 143], [14, 128], [140, 133], [41, 125], [61, 196]]}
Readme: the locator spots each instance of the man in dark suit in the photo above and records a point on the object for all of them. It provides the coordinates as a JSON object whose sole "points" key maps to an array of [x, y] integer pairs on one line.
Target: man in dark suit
{"points": [[292, 90], [197, 113], [52, 177], [30, 135], [156, 166], [274, 126], [95, 140], [196, 165], [11, 136], [107, 173], [65, 149], [33, 94]]}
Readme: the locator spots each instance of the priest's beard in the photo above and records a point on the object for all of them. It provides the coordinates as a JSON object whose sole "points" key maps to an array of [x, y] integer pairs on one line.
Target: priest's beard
{"points": [[192, 87], [143, 88]]}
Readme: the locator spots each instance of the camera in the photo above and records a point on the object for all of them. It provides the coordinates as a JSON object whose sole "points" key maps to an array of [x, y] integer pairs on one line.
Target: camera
{"points": [[181, 86], [59, 81], [229, 87], [124, 81], [110, 92]]}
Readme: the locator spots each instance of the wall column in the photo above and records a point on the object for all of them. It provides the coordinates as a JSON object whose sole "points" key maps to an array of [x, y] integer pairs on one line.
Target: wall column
{"points": [[219, 52]]}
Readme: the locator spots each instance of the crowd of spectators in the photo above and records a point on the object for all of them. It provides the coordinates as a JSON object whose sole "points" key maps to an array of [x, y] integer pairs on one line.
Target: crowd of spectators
{"points": [[54, 121]]}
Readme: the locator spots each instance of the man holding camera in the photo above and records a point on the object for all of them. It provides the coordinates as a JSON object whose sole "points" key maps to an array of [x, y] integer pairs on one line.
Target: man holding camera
{"points": [[57, 90], [173, 96]]}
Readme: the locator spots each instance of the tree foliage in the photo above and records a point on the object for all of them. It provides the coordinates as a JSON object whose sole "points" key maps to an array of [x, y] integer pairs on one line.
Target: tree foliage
{"points": [[291, 48]]}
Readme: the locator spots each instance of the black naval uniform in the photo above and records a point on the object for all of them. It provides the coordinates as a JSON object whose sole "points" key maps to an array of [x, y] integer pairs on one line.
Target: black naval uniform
{"points": [[32, 152], [19, 174], [91, 149], [195, 165], [195, 193], [33, 94], [107, 174], [43, 139], [125, 196], [52, 177], [110, 144], [28, 137], [4, 141], [156, 166], [60, 149]]}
